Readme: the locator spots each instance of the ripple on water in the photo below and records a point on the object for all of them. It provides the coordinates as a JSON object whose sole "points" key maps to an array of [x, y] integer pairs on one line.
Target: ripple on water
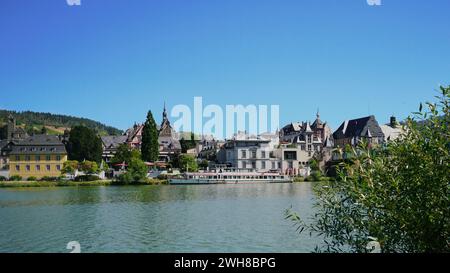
{"points": [[209, 218]]}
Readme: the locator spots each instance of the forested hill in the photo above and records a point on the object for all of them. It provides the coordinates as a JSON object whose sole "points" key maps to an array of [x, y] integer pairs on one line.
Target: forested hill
{"points": [[53, 123]]}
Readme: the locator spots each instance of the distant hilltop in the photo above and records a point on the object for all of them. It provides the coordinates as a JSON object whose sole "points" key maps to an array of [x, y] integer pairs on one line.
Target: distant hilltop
{"points": [[54, 124]]}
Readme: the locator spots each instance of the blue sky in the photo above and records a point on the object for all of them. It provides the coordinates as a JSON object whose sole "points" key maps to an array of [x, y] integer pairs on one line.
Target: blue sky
{"points": [[113, 60]]}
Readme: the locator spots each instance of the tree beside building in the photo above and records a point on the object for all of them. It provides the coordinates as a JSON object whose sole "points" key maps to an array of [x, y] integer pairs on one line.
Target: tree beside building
{"points": [[84, 144], [150, 144]]}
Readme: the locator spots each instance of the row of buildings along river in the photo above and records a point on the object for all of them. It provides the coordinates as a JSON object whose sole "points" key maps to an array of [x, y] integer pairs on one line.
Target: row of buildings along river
{"points": [[288, 151]]}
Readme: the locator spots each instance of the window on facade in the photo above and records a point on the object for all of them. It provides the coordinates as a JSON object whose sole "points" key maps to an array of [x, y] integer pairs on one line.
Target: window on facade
{"points": [[48, 157], [254, 154], [253, 165], [263, 165], [291, 165], [17, 157], [273, 166], [38, 168], [58, 157], [309, 148], [244, 154], [17, 167], [290, 155], [48, 167], [58, 167], [28, 168], [27, 158], [38, 158], [263, 154]]}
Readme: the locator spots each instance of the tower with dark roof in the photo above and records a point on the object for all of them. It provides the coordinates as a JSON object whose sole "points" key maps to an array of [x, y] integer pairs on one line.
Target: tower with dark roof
{"points": [[166, 129], [168, 140], [11, 127], [14, 132], [165, 118]]}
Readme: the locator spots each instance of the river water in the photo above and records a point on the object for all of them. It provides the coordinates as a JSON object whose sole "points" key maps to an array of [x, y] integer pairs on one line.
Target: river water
{"points": [[149, 219]]}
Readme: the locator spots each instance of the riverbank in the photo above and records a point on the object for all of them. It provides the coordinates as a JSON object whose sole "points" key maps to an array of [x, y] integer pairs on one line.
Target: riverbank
{"points": [[29, 184], [312, 179]]}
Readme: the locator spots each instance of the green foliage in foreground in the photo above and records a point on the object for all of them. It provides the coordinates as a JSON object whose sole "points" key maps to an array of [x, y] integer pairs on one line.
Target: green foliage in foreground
{"points": [[397, 195]]}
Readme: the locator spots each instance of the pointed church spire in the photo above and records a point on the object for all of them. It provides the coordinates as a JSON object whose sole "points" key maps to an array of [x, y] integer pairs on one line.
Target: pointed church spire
{"points": [[165, 112]]}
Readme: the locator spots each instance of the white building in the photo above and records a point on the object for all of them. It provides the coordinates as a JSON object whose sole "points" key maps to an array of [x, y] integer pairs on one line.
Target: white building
{"points": [[392, 131], [249, 153], [265, 154], [293, 160]]}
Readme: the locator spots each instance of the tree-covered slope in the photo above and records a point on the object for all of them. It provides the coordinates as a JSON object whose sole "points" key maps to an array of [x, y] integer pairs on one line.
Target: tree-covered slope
{"points": [[53, 123]]}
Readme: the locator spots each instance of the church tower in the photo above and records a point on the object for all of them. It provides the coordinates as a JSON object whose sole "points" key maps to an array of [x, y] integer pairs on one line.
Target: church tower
{"points": [[166, 129], [11, 127], [165, 118]]}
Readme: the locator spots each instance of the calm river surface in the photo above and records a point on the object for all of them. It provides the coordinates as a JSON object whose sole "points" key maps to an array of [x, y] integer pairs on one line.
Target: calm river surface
{"points": [[210, 218]]}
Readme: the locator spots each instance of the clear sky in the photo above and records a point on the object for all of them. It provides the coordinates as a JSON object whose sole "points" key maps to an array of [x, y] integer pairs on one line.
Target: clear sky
{"points": [[113, 60]]}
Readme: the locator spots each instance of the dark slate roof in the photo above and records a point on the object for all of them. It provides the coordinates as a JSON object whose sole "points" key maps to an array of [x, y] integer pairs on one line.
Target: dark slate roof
{"points": [[38, 144], [169, 143], [362, 127], [3, 143], [20, 130], [318, 123], [113, 141]]}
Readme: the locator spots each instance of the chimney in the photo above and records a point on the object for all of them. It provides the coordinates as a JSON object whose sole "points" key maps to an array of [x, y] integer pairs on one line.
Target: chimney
{"points": [[393, 122]]}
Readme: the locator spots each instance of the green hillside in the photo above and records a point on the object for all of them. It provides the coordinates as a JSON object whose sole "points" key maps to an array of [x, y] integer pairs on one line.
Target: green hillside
{"points": [[34, 122]]}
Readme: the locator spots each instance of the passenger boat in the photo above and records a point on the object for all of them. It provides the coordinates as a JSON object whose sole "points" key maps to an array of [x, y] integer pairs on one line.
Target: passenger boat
{"points": [[229, 178]]}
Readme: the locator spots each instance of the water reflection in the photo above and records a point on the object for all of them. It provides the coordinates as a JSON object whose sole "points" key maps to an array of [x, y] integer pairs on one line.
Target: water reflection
{"points": [[206, 218]]}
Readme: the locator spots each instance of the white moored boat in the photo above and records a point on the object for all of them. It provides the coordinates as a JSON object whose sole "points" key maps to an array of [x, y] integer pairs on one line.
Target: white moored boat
{"points": [[229, 178]]}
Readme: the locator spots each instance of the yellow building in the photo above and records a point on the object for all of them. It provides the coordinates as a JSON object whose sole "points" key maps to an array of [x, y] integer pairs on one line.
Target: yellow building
{"points": [[37, 156]]}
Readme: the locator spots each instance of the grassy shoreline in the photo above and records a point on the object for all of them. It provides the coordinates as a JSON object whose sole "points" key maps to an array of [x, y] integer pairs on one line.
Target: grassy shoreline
{"points": [[30, 184], [322, 179], [37, 184]]}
